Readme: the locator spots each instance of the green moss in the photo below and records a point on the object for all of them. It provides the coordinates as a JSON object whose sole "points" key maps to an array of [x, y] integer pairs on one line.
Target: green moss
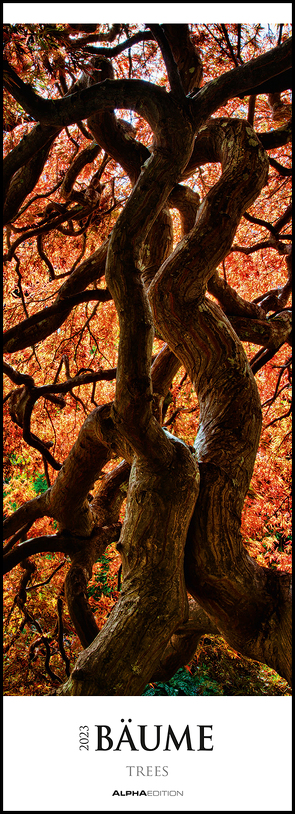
{"points": [[216, 669]]}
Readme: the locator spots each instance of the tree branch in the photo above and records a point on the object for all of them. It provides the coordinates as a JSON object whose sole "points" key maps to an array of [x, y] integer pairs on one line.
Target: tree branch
{"points": [[36, 545], [276, 138], [283, 171], [140, 36], [27, 513], [232, 303], [17, 377], [271, 333], [145, 98], [24, 180], [184, 642], [171, 66], [24, 152], [44, 322], [240, 80]]}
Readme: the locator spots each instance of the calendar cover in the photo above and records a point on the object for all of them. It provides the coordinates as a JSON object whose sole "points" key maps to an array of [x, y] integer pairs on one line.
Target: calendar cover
{"points": [[147, 393]]}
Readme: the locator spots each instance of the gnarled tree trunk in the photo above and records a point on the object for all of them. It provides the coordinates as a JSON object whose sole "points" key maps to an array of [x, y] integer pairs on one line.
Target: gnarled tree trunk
{"points": [[248, 604]]}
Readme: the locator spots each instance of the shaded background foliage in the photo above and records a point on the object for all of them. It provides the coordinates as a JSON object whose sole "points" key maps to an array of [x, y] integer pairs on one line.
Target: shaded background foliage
{"points": [[50, 57]]}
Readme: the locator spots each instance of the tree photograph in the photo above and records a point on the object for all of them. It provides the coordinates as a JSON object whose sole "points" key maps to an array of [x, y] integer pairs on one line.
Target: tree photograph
{"points": [[147, 359]]}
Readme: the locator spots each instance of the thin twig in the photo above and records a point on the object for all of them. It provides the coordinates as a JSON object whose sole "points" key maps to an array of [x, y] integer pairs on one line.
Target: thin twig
{"points": [[46, 581]]}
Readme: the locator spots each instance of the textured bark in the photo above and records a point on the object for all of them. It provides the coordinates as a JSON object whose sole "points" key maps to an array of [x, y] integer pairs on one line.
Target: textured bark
{"points": [[106, 508], [250, 605], [186, 56], [271, 334], [216, 565], [78, 474], [187, 202], [163, 485], [153, 599], [184, 642], [78, 576]]}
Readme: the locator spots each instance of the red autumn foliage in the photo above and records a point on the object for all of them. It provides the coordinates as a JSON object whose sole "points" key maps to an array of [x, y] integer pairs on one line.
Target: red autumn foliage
{"points": [[39, 261]]}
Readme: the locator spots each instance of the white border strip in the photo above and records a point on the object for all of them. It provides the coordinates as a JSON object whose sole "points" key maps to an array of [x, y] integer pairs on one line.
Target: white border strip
{"points": [[155, 12]]}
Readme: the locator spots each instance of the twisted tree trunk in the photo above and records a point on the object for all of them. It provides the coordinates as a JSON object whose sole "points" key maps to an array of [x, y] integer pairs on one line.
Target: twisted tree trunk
{"points": [[163, 487], [249, 604]]}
